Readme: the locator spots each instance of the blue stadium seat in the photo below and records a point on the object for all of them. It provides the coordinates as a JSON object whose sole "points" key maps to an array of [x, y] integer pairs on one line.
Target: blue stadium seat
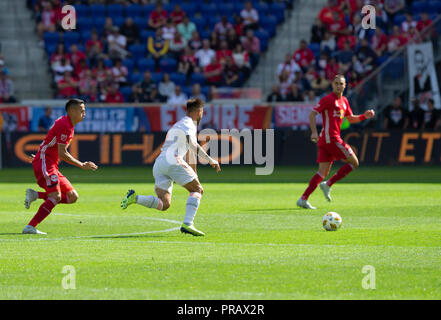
{"points": [[71, 38], [315, 48], [205, 90], [51, 38], [186, 90], [145, 34], [418, 7], [157, 77], [168, 65], [50, 48], [200, 22], [211, 22], [261, 7], [167, 7], [85, 35], [238, 6], [277, 9], [97, 10], [108, 63], [133, 10], [115, 10], [81, 10], [135, 77], [129, 64], [269, 23], [189, 8], [147, 9], [138, 51], [226, 9], [178, 78], [98, 23], [140, 22], [205, 34], [399, 19], [434, 6], [85, 24], [146, 64], [209, 10], [118, 21], [197, 78], [126, 92]]}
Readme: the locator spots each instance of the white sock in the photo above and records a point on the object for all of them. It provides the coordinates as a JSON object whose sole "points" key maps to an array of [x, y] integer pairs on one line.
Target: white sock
{"points": [[192, 207], [149, 202]]}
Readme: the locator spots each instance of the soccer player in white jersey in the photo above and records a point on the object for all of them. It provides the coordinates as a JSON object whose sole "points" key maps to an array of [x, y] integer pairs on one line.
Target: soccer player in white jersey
{"points": [[180, 142]]}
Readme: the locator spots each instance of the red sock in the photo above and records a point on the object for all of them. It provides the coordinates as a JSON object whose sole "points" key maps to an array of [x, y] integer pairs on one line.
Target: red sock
{"points": [[42, 195], [43, 212], [64, 198], [316, 179], [340, 174]]}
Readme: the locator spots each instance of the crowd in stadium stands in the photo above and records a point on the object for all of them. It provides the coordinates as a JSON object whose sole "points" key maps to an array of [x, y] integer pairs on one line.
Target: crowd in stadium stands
{"points": [[339, 44], [143, 51], [6, 84]]}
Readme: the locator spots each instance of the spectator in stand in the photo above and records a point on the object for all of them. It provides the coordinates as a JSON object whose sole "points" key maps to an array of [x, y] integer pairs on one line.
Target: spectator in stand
{"points": [[186, 28], [322, 61], [396, 40], [187, 62], [60, 69], [238, 25], [310, 97], [113, 95], [213, 73], [232, 39], [408, 23], [88, 87], [332, 68], [392, 8], [354, 79], [311, 74], [100, 72], [94, 49], [117, 44], [432, 119], [145, 88], [195, 42], [284, 81], [177, 97], [395, 116], [75, 56], [130, 30], [317, 31], [158, 17], [205, 54], [381, 19], [157, 47], [379, 42], [177, 46], [338, 25], [6, 88], [242, 60], [251, 44], [357, 28], [222, 27], [80, 71], [349, 38], [67, 87], [302, 83], [325, 14], [214, 41], [60, 52], [303, 56], [223, 53], [275, 95], [424, 23], [231, 74], [328, 43], [166, 86], [45, 121], [120, 73], [48, 21], [345, 58], [294, 94], [169, 30], [288, 64], [364, 59], [250, 17], [104, 85], [413, 36], [320, 84], [196, 92], [177, 15], [107, 29], [416, 116]]}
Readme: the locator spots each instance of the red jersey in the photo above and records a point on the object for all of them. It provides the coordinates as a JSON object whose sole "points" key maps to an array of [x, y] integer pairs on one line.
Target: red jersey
{"points": [[333, 111], [61, 132]]}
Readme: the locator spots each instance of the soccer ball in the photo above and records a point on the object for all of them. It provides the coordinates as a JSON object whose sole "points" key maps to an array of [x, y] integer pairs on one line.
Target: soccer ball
{"points": [[332, 221]]}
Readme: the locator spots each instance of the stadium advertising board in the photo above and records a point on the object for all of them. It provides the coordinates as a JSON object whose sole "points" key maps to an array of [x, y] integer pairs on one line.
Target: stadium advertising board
{"points": [[290, 147], [294, 116], [14, 119]]}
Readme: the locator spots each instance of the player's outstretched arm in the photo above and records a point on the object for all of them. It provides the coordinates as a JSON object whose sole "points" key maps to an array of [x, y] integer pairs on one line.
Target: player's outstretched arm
{"points": [[197, 149], [358, 118], [313, 126], [66, 156]]}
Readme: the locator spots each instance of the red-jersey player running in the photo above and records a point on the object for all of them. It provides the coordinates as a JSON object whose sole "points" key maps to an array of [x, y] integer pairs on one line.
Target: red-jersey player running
{"points": [[333, 108], [45, 163]]}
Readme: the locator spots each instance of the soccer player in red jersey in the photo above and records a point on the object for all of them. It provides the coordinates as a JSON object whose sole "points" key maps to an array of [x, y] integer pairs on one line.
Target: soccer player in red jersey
{"points": [[45, 163], [333, 108]]}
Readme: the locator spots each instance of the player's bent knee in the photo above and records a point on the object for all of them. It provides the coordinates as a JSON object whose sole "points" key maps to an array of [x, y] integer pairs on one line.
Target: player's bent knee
{"points": [[56, 196], [73, 196], [165, 205]]}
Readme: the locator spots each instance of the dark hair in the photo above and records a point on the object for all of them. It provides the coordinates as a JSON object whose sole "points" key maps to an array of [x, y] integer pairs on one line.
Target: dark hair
{"points": [[431, 101], [194, 104], [73, 103]]}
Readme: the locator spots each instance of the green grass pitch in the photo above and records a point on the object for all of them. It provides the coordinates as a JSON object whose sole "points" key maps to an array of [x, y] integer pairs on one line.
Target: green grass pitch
{"points": [[258, 245]]}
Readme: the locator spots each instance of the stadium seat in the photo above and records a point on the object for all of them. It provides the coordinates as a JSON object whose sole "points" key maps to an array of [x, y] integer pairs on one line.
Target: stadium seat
{"points": [[262, 8], [399, 19], [277, 9], [51, 38], [200, 23], [135, 77], [129, 64], [205, 34], [168, 65], [147, 9], [145, 34], [108, 63], [178, 78], [118, 21], [263, 37], [268, 23], [434, 6], [197, 78], [186, 90], [81, 10], [138, 51], [238, 6], [189, 8], [85, 35], [97, 10], [418, 7], [50, 49], [146, 64], [140, 22], [115, 10], [209, 10], [98, 23], [126, 92], [133, 10], [226, 9], [85, 24], [157, 77], [211, 22], [315, 48], [70, 38]]}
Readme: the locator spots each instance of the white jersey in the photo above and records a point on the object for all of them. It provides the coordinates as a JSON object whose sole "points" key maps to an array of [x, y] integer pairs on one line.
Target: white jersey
{"points": [[176, 144]]}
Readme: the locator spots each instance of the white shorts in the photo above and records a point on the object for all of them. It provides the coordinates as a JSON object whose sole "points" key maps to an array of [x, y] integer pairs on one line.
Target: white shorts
{"points": [[166, 173]]}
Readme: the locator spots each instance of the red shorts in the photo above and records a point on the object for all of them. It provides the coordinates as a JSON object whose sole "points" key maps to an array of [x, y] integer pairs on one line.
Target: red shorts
{"points": [[336, 150], [50, 179]]}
